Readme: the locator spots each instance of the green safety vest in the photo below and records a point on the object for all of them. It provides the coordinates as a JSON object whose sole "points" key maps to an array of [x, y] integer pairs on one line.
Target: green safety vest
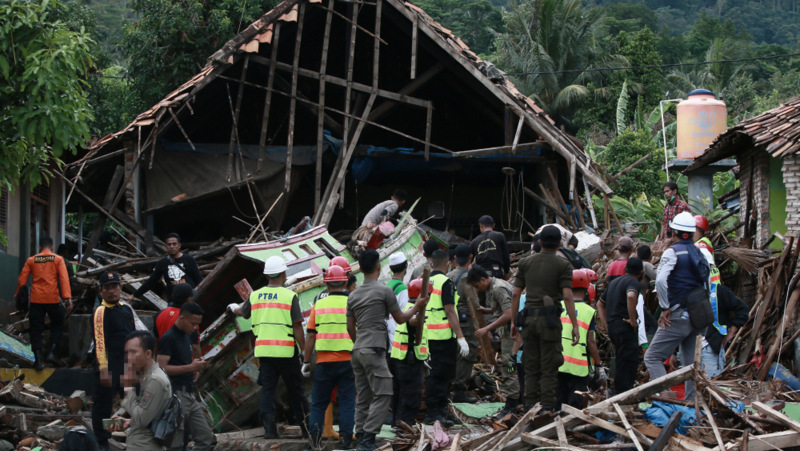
{"points": [[400, 343], [331, 324], [271, 317], [397, 285], [437, 324], [576, 359]]}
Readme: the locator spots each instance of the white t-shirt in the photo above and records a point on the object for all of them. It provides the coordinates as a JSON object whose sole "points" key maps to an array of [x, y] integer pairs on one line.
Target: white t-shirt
{"points": [[391, 324]]}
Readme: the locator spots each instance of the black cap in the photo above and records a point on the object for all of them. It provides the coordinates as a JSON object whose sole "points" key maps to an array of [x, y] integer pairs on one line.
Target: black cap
{"points": [[463, 251], [486, 220], [550, 233], [109, 277], [429, 247], [634, 266], [182, 292]]}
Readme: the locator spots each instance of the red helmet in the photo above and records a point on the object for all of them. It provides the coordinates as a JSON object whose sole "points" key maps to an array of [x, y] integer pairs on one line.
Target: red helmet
{"points": [[704, 245], [580, 279], [701, 222], [592, 293], [335, 274], [340, 262], [590, 274], [415, 288]]}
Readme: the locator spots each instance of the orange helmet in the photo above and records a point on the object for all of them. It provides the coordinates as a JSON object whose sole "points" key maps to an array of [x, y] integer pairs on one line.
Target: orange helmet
{"points": [[580, 279], [340, 262], [335, 274], [415, 288], [704, 245], [590, 274], [592, 293], [701, 222]]}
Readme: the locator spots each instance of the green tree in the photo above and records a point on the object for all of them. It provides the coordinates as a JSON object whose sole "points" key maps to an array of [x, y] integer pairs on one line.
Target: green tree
{"points": [[625, 149], [43, 106], [475, 21], [552, 47], [629, 17], [640, 50]]}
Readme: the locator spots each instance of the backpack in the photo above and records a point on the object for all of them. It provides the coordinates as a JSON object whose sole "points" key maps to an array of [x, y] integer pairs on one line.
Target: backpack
{"points": [[697, 302], [169, 426], [577, 260]]}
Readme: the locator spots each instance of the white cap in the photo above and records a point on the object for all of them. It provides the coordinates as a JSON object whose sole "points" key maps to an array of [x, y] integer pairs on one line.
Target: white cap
{"points": [[684, 222], [397, 258], [274, 265]]}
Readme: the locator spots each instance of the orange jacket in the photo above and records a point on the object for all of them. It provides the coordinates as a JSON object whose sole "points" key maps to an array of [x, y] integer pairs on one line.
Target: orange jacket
{"points": [[48, 270]]}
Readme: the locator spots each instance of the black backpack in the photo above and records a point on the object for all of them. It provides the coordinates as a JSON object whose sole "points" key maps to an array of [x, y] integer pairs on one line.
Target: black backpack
{"points": [[169, 425]]}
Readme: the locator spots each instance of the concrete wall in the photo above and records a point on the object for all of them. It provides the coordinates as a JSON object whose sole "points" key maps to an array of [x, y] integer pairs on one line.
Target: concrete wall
{"points": [[791, 179]]}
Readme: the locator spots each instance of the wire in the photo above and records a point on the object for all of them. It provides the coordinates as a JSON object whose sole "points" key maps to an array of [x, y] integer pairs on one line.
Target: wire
{"points": [[648, 66]]}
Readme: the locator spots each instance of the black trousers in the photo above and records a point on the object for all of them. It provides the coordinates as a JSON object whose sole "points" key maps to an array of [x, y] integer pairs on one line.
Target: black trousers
{"points": [[288, 368], [37, 314], [626, 347], [103, 402], [443, 365], [408, 376], [568, 384]]}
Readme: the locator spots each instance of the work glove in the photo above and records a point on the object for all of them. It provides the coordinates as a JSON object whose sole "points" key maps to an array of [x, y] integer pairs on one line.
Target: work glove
{"points": [[306, 370], [602, 375], [512, 364], [463, 347], [233, 307]]}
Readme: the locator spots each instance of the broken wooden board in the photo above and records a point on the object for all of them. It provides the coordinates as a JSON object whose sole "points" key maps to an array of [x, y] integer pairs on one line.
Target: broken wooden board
{"points": [[151, 297]]}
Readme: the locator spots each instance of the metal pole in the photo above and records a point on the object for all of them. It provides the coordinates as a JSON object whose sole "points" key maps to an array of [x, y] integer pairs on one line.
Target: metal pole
{"points": [[664, 134]]}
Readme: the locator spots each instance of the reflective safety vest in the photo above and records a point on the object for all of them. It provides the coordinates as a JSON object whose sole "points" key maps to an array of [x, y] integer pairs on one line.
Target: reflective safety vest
{"points": [[437, 324], [400, 343], [330, 318], [714, 280], [576, 359], [271, 317]]}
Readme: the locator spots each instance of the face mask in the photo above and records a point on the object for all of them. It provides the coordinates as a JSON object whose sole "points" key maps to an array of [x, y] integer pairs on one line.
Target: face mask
{"points": [[672, 198]]}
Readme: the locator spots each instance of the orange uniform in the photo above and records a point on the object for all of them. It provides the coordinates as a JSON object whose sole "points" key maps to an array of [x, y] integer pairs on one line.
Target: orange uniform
{"points": [[48, 271]]}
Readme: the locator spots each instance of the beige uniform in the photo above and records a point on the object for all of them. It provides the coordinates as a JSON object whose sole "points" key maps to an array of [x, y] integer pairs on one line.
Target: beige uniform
{"points": [[154, 395]]}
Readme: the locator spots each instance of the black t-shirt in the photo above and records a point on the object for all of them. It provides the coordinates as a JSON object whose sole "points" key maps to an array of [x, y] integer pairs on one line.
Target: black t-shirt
{"points": [[490, 249], [174, 271], [616, 297], [178, 346]]}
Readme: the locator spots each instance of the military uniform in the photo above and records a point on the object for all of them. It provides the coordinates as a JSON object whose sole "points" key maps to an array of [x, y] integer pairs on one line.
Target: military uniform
{"points": [[464, 365], [144, 405], [498, 298], [543, 275]]}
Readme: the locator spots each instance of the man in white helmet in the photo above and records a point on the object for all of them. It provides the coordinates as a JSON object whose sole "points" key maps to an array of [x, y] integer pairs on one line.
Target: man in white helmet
{"points": [[278, 326], [682, 268]]}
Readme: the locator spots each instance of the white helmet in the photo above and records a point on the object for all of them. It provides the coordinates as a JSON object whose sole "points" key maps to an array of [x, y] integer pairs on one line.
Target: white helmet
{"points": [[275, 265], [684, 222]]}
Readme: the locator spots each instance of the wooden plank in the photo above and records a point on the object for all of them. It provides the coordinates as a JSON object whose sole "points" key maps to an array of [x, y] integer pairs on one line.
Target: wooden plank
{"points": [[602, 423], [500, 150], [485, 349], [544, 202], [518, 428], [546, 443], [151, 297], [776, 415], [725, 404], [628, 427], [262, 141], [788, 315], [428, 119], [235, 124], [557, 195], [711, 421], [455, 446], [408, 89], [292, 99], [111, 193], [414, 34], [323, 69], [562, 434], [666, 432]]}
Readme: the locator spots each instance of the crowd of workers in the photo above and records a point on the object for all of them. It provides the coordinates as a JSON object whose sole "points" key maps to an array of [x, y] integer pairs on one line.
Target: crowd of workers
{"points": [[377, 348]]}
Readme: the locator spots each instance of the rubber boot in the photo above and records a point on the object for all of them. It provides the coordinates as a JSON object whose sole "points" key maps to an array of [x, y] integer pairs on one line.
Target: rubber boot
{"points": [[367, 442], [38, 363], [270, 426], [327, 429]]}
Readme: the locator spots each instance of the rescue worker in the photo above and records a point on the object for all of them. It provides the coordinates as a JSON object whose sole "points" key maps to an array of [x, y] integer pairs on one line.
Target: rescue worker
{"points": [[618, 308], [147, 395], [175, 356], [111, 324], [490, 249], [181, 294], [398, 266], [574, 373], [700, 228], [732, 313], [464, 364], [367, 309], [385, 210], [48, 271], [617, 267], [175, 268], [278, 326], [428, 248], [327, 334], [681, 269], [548, 280], [408, 361], [340, 262], [498, 298], [444, 340], [672, 209]]}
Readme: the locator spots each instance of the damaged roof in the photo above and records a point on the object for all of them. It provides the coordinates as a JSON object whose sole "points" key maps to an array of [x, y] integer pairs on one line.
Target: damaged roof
{"points": [[776, 131]]}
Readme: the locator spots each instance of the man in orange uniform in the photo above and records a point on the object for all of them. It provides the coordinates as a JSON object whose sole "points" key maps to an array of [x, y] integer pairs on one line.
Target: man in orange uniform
{"points": [[48, 271]]}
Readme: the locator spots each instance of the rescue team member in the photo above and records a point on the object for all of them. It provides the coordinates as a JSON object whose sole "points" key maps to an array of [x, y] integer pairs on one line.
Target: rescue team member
{"points": [[146, 396], [573, 375], [700, 228], [327, 333], [672, 209], [548, 279], [407, 360], [385, 210], [277, 322], [181, 294], [678, 273], [367, 309], [342, 263], [175, 357], [398, 266], [111, 324], [498, 298], [617, 267], [490, 249], [428, 248], [443, 327], [618, 308], [464, 364], [175, 268], [48, 271], [732, 313]]}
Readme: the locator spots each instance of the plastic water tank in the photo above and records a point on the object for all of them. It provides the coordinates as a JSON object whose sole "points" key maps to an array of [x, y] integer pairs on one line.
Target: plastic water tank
{"points": [[701, 118]]}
